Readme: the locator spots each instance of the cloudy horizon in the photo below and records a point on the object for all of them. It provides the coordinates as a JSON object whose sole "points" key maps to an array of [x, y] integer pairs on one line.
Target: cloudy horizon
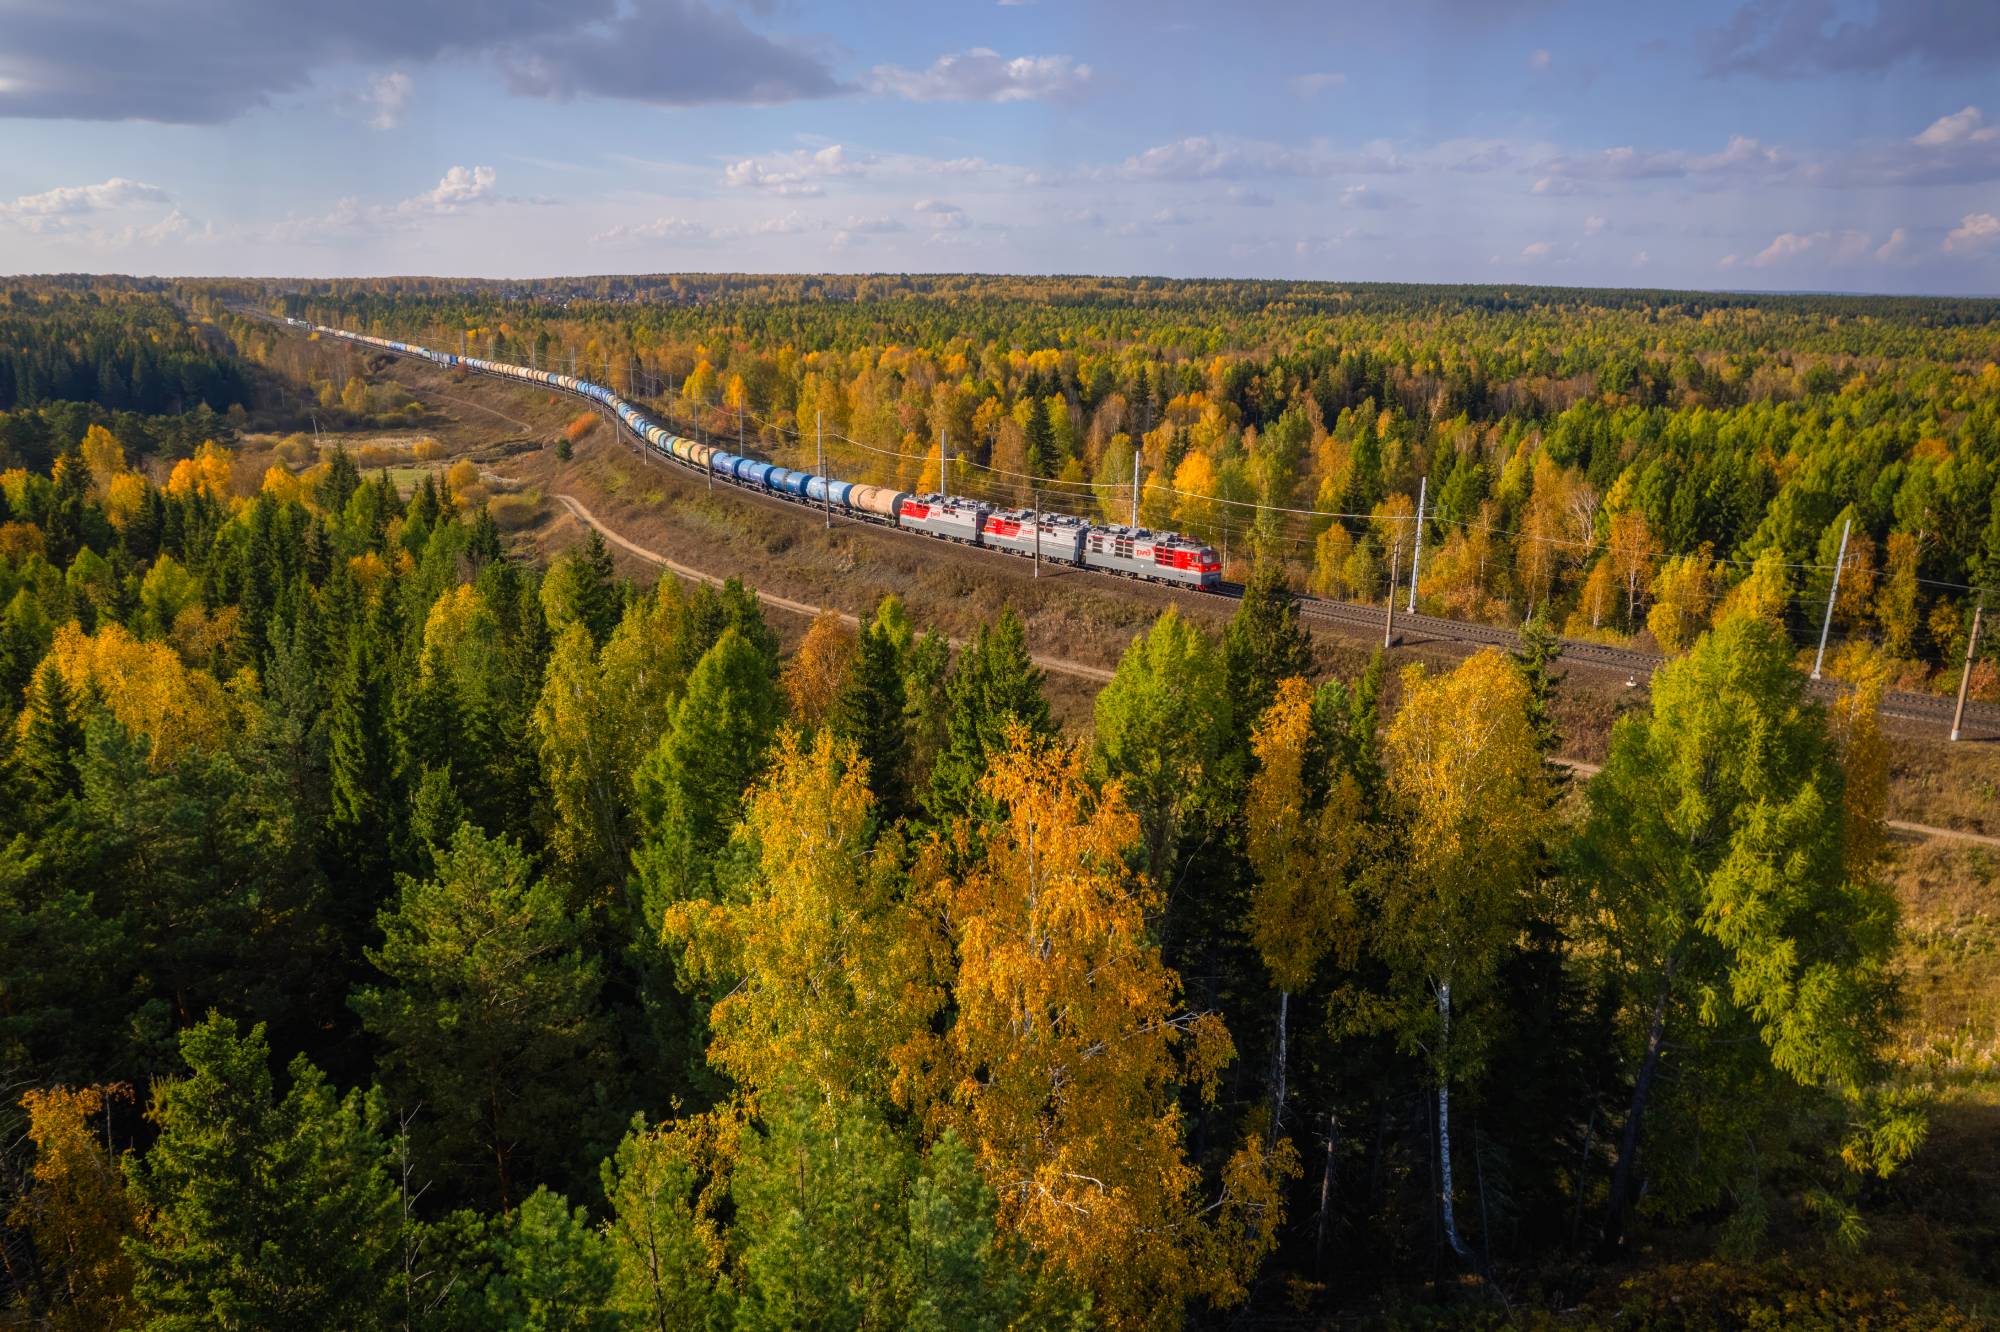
{"points": [[1768, 145]]}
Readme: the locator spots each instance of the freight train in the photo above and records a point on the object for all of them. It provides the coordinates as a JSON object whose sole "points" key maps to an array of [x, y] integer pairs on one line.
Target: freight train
{"points": [[1134, 552]]}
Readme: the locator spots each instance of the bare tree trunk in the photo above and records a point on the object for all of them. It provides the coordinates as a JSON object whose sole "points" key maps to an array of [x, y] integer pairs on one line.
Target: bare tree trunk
{"points": [[1278, 1068], [1325, 1195], [1451, 1235], [1628, 1141]]}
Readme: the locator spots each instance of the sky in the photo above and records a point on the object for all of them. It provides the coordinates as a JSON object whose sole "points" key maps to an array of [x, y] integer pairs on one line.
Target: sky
{"points": [[1827, 145]]}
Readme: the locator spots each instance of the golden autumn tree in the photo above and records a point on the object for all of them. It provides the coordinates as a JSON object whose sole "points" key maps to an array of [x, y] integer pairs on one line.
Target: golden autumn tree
{"points": [[829, 978], [103, 455], [813, 676], [1683, 592], [77, 1212], [207, 473], [1466, 786], [1856, 723], [1063, 1067], [1304, 846], [1631, 558], [148, 689]]}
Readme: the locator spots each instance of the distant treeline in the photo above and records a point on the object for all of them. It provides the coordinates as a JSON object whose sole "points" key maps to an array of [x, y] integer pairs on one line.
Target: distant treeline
{"points": [[125, 352]]}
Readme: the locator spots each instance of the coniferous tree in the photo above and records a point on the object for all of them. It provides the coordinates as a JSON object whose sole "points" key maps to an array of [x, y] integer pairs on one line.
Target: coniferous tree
{"points": [[689, 788], [870, 710], [262, 1210], [1263, 644], [994, 686], [487, 1008], [552, 1271]]}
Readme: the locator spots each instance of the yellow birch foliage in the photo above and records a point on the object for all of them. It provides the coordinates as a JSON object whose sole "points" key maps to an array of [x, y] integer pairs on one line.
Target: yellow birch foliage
{"points": [[281, 485], [207, 473], [1763, 593], [77, 1212], [1682, 594], [103, 455], [1467, 783], [832, 981], [147, 688], [1302, 908], [1070, 1047], [124, 495], [1195, 509], [1330, 557], [813, 676], [1857, 729]]}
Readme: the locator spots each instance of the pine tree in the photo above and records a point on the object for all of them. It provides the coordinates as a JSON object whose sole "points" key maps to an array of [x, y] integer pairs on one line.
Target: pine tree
{"points": [[262, 1211], [487, 1008], [553, 1271]]}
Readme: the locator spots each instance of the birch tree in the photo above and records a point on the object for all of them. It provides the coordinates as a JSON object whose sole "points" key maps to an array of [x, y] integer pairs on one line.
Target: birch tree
{"points": [[1466, 787]]}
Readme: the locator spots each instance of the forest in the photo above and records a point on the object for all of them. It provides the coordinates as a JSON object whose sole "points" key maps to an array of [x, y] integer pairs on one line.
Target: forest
{"points": [[400, 932], [1620, 463]]}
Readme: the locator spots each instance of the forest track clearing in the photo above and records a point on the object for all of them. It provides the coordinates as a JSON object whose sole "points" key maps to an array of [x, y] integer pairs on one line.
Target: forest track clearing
{"points": [[582, 512]]}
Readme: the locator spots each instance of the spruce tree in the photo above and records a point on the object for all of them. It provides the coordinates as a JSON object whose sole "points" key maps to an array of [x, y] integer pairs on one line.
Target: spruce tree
{"points": [[869, 710], [1263, 644], [487, 1008], [263, 1210], [51, 745], [995, 685], [689, 788]]}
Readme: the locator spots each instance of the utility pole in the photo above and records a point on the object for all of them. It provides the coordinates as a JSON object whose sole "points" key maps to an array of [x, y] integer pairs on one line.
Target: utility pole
{"points": [[1417, 555], [1038, 532], [825, 482], [1826, 624], [944, 463], [1389, 608], [1135, 490], [1965, 676]]}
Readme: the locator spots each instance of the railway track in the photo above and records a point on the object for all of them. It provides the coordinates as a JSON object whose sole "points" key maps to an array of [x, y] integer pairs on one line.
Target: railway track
{"points": [[1982, 720]]}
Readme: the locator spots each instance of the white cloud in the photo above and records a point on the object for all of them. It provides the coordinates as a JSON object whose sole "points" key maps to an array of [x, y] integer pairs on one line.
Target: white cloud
{"points": [[1540, 60], [941, 216], [1312, 85], [1536, 250], [793, 223], [1975, 231], [1594, 224], [1893, 248], [1742, 156], [1554, 185], [459, 187], [1838, 247], [1202, 157], [872, 226], [984, 75], [1362, 196], [796, 174], [386, 99], [74, 200], [1967, 126], [1640, 259], [660, 228]]}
